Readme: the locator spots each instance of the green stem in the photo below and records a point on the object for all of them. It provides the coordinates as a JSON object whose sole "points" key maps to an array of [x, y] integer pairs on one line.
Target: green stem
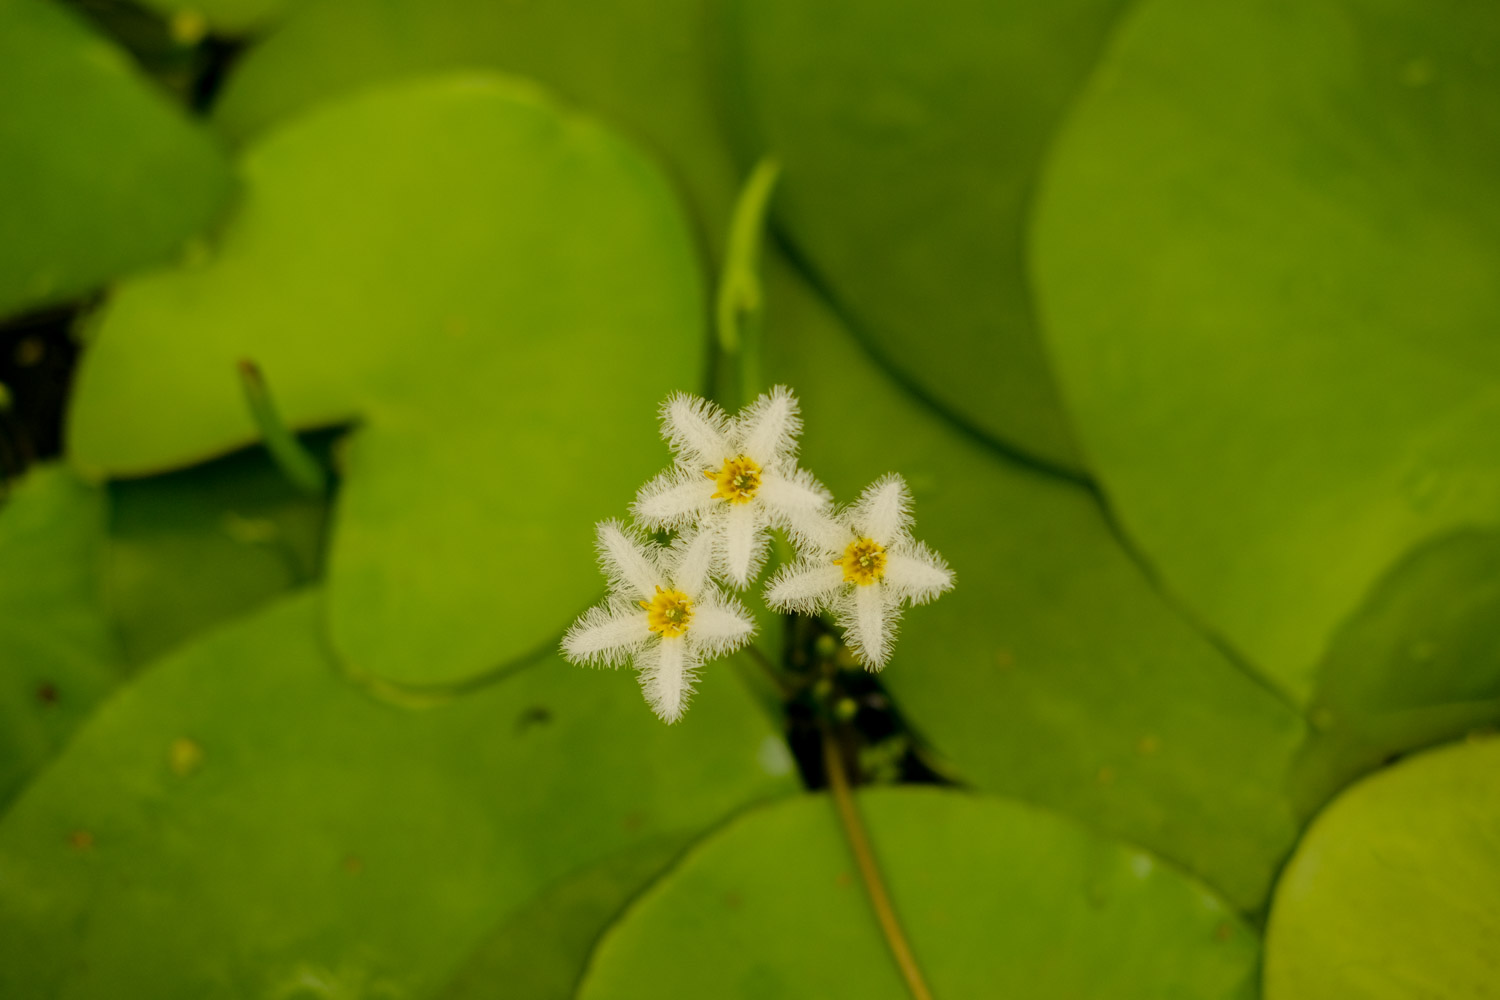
{"points": [[737, 309], [869, 871], [295, 462]]}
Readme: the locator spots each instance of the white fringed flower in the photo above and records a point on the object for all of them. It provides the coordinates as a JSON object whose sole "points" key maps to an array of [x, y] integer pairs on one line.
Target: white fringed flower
{"points": [[865, 566], [733, 479], [663, 612]]}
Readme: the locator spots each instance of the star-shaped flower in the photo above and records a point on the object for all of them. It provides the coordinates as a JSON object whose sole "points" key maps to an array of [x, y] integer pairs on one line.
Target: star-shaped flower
{"points": [[663, 612], [865, 566], [733, 479]]}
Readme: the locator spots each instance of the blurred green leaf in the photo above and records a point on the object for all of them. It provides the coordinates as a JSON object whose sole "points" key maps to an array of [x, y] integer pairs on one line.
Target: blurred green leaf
{"points": [[1266, 252], [242, 821], [100, 174], [910, 139], [501, 293], [1419, 664], [996, 899], [541, 950], [193, 548], [1391, 896], [1053, 671], [58, 656], [646, 68]]}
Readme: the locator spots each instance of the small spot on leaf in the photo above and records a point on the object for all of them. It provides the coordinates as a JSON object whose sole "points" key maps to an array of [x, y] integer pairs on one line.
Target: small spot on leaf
{"points": [[184, 756], [536, 715], [46, 693], [81, 840]]}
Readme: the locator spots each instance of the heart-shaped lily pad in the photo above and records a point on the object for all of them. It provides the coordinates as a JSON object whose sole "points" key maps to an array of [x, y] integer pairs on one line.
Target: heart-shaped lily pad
{"points": [[995, 898], [244, 821], [1392, 894], [1053, 671], [1266, 252], [499, 292], [911, 137], [100, 175]]}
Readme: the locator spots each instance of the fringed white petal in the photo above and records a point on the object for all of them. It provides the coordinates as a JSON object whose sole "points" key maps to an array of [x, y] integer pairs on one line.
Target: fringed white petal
{"points": [[719, 627], [628, 562], [916, 573], [804, 586], [883, 510], [690, 561], [675, 498], [743, 542], [697, 430], [868, 616], [820, 535], [607, 635], [797, 502], [767, 429], [668, 672]]}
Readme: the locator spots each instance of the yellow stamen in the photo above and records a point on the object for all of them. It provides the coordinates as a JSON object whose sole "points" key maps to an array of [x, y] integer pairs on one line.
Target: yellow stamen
{"points": [[668, 613], [863, 561], [737, 481]]}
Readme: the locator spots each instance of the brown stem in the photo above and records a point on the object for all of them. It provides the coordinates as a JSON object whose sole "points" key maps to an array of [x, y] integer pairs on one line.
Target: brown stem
{"points": [[854, 830]]}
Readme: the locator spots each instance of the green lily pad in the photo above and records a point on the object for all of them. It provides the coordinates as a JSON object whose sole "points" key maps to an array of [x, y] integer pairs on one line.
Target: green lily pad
{"points": [[911, 138], [995, 898], [500, 292], [1053, 672], [101, 175], [243, 821], [646, 68], [197, 547], [1265, 253], [1418, 665], [541, 950], [1391, 896], [58, 655]]}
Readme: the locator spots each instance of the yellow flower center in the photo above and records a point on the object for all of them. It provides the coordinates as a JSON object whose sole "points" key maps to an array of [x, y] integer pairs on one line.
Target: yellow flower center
{"points": [[668, 613], [737, 481], [863, 561]]}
